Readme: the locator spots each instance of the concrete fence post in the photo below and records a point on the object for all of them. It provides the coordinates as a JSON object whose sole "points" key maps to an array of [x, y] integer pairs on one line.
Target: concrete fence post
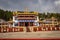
{"points": [[46, 29], [55, 28], [59, 28], [51, 28], [13, 29], [24, 29]]}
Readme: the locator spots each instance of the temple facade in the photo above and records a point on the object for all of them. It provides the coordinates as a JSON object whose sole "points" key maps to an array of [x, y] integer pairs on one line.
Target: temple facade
{"points": [[25, 18], [25, 21]]}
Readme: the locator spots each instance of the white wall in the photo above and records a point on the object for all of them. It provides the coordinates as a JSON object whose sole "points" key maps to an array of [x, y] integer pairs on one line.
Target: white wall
{"points": [[36, 21]]}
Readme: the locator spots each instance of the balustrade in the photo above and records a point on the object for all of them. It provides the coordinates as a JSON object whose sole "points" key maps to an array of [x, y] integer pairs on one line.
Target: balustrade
{"points": [[32, 29]]}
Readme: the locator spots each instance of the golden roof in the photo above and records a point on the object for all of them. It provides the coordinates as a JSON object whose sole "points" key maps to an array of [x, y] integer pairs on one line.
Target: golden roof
{"points": [[25, 12]]}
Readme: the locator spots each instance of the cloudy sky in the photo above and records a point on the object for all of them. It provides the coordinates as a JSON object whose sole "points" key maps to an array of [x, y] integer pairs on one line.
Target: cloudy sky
{"points": [[32, 5]]}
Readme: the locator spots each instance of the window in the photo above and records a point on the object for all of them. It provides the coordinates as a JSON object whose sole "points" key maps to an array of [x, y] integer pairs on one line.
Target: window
{"points": [[21, 16], [31, 16], [26, 16]]}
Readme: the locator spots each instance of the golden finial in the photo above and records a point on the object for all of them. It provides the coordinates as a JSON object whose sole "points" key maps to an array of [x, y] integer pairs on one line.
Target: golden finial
{"points": [[26, 10]]}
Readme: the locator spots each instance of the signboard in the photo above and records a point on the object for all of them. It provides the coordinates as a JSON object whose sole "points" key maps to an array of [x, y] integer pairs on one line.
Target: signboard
{"points": [[26, 20]]}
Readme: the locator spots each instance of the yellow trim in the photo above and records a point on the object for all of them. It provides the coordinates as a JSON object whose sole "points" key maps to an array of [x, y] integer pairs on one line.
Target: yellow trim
{"points": [[25, 12]]}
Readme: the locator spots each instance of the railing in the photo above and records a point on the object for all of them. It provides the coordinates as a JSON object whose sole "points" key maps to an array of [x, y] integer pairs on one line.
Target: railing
{"points": [[26, 18], [31, 29]]}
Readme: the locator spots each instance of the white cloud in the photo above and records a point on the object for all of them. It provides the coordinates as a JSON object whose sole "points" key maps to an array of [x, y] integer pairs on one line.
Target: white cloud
{"points": [[57, 6], [57, 2], [32, 5]]}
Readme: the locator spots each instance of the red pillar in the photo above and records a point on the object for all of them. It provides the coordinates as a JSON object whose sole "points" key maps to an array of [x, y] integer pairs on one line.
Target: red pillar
{"points": [[33, 24], [24, 23], [18, 24], [29, 23]]}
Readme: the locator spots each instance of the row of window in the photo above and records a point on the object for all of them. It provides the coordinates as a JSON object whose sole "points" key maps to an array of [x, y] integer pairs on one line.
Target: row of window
{"points": [[26, 16]]}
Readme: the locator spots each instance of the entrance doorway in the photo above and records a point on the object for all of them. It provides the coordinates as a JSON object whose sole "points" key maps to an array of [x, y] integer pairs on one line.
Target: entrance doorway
{"points": [[26, 24], [27, 28]]}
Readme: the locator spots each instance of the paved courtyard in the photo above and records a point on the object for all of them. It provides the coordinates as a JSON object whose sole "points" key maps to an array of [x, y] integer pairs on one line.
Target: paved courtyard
{"points": [[41, 34]]}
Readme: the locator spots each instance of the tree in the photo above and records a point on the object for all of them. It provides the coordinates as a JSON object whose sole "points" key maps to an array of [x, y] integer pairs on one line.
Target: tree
{"points": [[6, 15]]}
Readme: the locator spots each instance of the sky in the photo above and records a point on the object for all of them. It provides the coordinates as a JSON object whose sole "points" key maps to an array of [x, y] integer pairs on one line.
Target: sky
{"points": [[31, 5]]}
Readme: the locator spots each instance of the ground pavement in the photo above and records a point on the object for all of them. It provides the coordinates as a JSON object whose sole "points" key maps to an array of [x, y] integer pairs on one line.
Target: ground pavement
{"points": [[40, 34]]}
